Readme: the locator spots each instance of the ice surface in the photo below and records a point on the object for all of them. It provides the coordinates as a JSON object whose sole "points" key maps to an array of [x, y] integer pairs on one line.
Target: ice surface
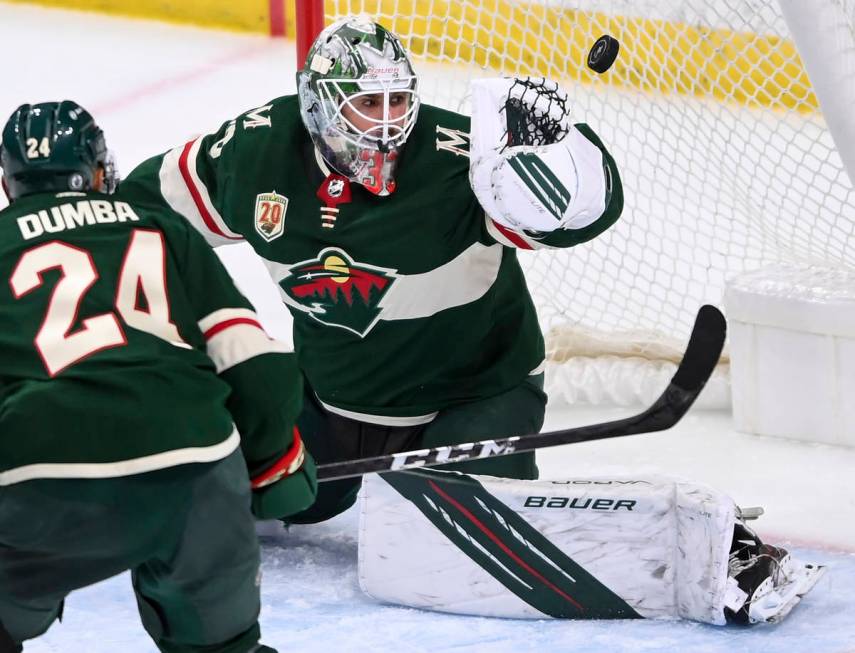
{"points": [[311, 602]]}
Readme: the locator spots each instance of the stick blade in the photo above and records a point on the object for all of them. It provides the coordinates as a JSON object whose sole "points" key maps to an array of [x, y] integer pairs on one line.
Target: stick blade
{"points": [[703, 351]]}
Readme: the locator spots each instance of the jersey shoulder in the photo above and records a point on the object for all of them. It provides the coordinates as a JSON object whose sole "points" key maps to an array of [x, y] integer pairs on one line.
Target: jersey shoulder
{"points": [[246, 138], [440, 141], [10, 221], [269, 127], [430, 115], [69, 213], [446, 130], [147, 203], [23, 206], [256, 144]]}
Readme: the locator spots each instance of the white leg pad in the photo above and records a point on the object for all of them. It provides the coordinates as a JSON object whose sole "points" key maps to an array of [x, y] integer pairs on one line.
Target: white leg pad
{"points": [[661, 545]]}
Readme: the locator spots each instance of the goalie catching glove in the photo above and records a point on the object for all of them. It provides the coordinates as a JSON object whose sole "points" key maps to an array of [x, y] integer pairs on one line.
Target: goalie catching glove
{"points": [[530, 168]]}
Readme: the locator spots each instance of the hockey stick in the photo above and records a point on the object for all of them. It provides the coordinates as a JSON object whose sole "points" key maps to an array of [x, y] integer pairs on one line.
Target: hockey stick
{"points": [[699, 361]]}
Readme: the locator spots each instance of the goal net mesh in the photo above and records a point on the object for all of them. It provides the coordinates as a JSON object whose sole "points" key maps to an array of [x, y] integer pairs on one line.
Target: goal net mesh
{"points": [[726, 161]]}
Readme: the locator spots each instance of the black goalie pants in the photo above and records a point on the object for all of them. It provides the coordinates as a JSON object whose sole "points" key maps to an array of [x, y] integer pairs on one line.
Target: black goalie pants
{"points": [[331, 438]]}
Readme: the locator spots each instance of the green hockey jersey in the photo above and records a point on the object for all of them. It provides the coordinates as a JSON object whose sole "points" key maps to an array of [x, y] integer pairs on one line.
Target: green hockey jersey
{"points": [[126, 346], [403, 305]]}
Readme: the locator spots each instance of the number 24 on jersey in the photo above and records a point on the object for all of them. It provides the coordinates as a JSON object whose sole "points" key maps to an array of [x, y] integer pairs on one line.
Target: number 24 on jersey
{"points": [[59, 344]]}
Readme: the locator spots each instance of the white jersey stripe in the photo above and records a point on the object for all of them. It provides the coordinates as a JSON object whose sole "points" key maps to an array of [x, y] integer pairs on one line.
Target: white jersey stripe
{"points": [[199, 192], [123, 467], [235, 335], [187, 195], [540, 369], [238, 342], [383, 420], [465, 278]]}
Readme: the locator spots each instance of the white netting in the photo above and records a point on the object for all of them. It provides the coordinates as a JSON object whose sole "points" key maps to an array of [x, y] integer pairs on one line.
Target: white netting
{"points": [[726, 162]]}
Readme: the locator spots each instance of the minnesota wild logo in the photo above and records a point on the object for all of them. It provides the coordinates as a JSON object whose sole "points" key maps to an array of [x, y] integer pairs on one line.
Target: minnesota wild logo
{"points": [[335, 290]]}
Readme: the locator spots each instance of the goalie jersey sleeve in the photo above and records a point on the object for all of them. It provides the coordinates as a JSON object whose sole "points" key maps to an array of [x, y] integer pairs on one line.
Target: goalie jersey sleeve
{"points": [[127, 347], [193, 183]]}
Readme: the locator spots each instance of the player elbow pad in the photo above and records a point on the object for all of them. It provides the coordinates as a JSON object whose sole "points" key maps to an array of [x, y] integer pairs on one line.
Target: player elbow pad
{"points": [[554, 179]]}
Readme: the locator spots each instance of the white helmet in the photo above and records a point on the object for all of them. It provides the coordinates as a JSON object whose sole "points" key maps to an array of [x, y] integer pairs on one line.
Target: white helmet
{"points": [[351, 59]]}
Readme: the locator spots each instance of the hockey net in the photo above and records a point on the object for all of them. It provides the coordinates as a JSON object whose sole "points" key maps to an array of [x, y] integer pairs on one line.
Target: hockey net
{"points": [[726, 160]]}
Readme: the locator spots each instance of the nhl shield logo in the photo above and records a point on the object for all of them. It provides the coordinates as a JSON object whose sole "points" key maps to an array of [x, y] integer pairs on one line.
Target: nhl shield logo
{"points": [[270, 215], [336, 187]]}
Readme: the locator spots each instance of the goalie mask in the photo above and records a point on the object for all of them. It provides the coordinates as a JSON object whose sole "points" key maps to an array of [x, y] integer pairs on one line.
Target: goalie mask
{"points": [[54, 147], [359, 100]]}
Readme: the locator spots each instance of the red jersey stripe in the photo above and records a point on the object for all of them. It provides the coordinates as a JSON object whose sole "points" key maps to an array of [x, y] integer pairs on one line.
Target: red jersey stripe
{"points": [[513, 236], [289, 463], [222, 326], [195, 194]]}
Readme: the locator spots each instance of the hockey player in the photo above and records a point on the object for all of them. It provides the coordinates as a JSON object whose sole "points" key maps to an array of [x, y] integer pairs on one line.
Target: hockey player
{"points": [[137, 388], [393, 243]]}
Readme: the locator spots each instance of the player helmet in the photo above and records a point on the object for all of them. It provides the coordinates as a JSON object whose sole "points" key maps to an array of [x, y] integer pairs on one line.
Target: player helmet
{"points": [[54, 147], [352, 61]]}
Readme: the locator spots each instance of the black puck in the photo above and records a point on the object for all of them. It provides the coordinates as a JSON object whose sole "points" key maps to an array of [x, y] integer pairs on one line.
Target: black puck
{"points": [[603, 53]]}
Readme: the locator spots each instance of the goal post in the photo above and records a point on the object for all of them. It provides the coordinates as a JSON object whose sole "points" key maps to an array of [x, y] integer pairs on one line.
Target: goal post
{"points": [[825, 35], [731, 159], [309, 21]]}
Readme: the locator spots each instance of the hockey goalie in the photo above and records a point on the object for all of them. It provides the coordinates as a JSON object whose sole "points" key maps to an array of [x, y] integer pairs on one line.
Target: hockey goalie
{"points": [[597, 548]]}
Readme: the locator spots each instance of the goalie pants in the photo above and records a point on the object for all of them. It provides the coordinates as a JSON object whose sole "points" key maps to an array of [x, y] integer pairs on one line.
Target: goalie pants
{"points": [[330, 438], [185, 532]]}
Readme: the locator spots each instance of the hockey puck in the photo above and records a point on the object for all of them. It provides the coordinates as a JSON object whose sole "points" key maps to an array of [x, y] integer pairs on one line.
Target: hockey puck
{"points": [[603, 53]]}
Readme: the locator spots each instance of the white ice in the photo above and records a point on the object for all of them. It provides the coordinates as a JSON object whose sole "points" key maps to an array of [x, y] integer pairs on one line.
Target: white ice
{"points": [[151, 86]]}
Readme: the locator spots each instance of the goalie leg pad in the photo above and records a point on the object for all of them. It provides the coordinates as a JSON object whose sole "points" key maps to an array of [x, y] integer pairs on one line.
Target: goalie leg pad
{"points": [[581, 548]]}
